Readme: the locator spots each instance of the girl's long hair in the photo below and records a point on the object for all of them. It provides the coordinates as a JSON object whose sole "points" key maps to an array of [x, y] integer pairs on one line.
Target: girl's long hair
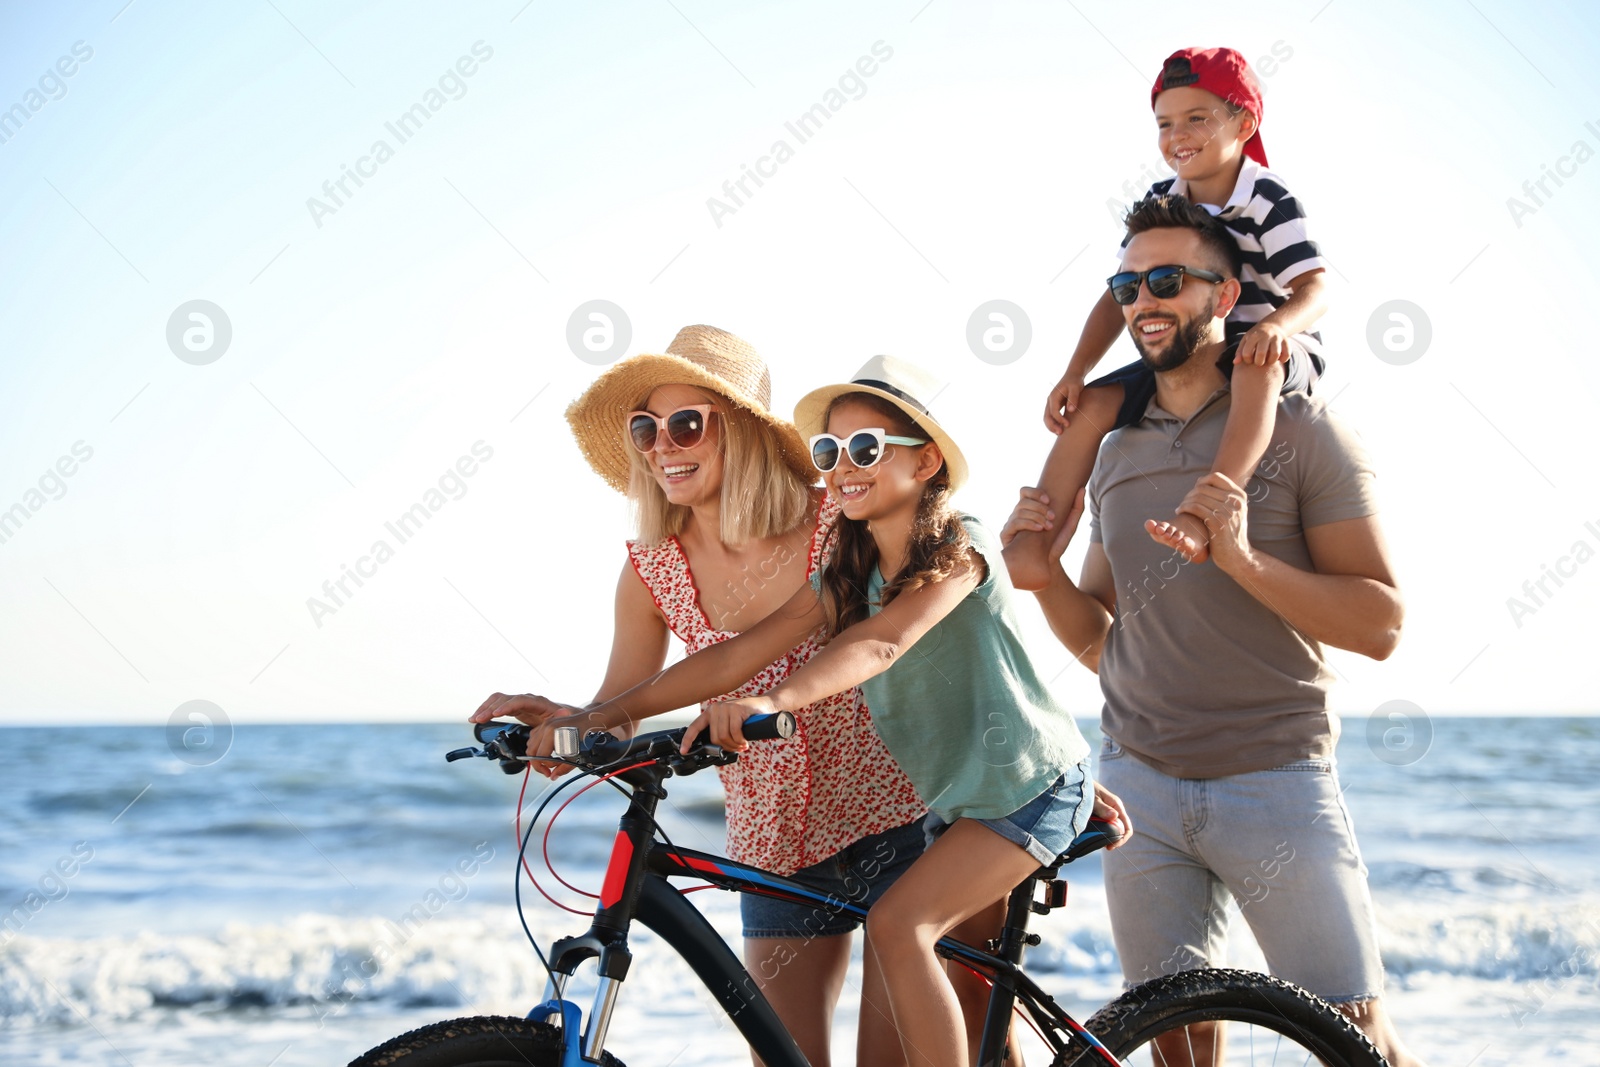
{"points": [[762, 496], [939, 543]]}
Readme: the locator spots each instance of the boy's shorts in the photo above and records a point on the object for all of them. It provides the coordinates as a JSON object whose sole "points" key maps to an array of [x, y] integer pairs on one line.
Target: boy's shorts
{"points": [[859, 873], [1045, 826], [1138, 382]]}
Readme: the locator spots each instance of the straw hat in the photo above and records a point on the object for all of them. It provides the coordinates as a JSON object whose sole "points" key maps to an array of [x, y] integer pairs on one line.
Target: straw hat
{"points": [[900, 383], [702, 356]]}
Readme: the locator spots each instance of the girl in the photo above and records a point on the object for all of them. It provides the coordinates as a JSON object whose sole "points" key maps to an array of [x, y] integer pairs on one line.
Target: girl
{"points": [[729, 529], [918, 609]]}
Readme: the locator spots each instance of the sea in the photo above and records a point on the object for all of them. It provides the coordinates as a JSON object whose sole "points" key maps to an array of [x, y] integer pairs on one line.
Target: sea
{"points": [[296, 894]]}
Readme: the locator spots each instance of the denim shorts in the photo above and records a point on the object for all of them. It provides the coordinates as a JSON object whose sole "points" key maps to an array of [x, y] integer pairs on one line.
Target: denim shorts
{"points": [[1045, 826], [859, 873], [1277, 843]]}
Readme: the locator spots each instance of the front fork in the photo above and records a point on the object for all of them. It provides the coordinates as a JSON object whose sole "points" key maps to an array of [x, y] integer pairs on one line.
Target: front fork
{"points": [[585, 1052], [606, 939]]}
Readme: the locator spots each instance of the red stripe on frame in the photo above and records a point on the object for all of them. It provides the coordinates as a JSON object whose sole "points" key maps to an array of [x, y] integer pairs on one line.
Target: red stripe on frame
{"points": [[617, 871]]}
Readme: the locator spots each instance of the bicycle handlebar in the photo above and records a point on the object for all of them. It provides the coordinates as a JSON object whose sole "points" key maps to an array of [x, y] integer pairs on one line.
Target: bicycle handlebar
{"points": [[508, 743]]}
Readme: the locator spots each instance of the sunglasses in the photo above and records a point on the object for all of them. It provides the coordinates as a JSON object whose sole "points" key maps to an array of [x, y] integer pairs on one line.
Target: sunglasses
{"points": [[685, 427], [1165, 282], [865, 448]]}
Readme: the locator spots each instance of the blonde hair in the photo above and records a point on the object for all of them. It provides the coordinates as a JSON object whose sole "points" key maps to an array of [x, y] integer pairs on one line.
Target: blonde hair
{"points": [[762, 496]]}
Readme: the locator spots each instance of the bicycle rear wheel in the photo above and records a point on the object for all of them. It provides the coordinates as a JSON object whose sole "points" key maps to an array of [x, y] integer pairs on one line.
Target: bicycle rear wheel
{"points": [[479, 1041], [1263, 1020]]}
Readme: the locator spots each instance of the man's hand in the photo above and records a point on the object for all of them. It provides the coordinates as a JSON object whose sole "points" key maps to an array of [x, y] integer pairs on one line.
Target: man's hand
{"points": [[724, 722], [1265, 342], [1033, 512], [1063, 401], [1217, 501], [529, 708]]}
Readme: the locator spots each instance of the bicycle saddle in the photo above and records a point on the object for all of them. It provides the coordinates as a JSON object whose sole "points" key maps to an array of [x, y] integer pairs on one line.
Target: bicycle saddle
{"points": [[1097, 835]]}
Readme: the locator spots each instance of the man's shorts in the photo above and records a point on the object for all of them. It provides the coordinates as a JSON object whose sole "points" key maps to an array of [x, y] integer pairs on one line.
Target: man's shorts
{"points": [[1279, 842], [1138, 382], [1045, 826], [859, 873]]}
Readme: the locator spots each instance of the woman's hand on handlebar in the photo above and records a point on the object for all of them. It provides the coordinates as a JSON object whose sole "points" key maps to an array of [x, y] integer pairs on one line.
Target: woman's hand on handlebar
{"points": [[1109, 806], [723, 720], [528, 707]]}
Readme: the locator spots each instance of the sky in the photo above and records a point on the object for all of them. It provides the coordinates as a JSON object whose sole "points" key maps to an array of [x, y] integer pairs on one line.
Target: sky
{"points": [[188, 484]]}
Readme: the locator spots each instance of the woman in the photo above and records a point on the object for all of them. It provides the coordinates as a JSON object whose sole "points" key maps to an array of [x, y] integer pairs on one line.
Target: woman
{"points": [[729, 529]]}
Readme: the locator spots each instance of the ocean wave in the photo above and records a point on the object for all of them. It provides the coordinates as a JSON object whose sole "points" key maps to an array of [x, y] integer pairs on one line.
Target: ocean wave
{"points": [[324, 965], [1554, 939], [319, 961]]}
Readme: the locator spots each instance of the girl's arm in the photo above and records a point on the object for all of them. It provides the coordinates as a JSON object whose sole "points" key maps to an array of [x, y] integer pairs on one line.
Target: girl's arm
{"points": [[709, 672], [863, 651]]}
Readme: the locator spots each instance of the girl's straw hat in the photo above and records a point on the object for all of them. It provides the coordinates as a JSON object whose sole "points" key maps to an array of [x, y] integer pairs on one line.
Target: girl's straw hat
{"points": [[902, 384], [701, 356]]}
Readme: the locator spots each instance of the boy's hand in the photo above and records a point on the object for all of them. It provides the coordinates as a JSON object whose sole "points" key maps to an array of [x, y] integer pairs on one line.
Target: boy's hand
{"points": [[1266, 342], [1063, 401]]}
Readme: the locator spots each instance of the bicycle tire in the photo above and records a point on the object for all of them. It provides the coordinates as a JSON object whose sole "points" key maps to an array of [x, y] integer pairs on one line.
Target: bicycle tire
{"points": [[1288, 1015], [478, 1041]]}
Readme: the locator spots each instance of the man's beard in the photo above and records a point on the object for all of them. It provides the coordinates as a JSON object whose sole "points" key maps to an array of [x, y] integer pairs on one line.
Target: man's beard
{"points": [[1186, 339]]}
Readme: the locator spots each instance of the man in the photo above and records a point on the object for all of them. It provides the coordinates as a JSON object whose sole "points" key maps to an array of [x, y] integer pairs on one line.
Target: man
{"points": [[1218, 737]]}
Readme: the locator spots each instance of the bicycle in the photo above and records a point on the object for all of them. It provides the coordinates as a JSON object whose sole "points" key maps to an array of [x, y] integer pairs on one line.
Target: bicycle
{"points": [[636, 888]]}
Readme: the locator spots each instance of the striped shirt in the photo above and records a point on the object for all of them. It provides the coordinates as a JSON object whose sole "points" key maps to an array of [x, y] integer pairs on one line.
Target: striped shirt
{"points": [[1270, 228]]}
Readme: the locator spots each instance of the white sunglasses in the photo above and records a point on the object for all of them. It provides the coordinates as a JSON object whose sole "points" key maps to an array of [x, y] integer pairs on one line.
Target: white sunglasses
{"points": [[864, 447]]}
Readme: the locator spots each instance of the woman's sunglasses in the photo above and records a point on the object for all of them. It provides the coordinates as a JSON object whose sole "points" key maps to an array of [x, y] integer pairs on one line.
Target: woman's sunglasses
{"points": [[864, 447], [685, 427], [1165, 282]]}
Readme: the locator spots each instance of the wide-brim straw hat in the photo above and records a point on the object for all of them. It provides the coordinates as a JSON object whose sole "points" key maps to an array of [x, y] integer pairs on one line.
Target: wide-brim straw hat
{"points": [[700, 356], [905, 385]]}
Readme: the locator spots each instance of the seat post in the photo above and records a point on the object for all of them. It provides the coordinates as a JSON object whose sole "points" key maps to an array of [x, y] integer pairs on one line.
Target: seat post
{"points": [[1009, 946]]}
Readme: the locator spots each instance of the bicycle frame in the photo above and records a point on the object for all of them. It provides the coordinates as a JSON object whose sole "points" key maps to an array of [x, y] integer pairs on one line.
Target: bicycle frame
{"points": [[636, 889]]}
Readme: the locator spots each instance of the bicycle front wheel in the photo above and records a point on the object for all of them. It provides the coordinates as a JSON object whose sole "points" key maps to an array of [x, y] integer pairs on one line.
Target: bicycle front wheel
{"points": [[1258, 1020], [479, 1041]]}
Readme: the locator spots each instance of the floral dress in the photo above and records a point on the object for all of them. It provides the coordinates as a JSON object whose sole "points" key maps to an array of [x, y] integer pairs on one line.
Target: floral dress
{"points": [[797, 801]]}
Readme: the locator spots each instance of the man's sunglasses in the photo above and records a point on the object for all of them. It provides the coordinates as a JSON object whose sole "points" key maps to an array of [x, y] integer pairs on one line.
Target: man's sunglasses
{"points": [[1164, 282], [864, 447], [685, 427]]}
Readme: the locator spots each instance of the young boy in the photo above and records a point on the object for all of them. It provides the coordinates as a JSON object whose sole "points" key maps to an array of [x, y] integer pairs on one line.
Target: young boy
{"points": [[1208, 108]]}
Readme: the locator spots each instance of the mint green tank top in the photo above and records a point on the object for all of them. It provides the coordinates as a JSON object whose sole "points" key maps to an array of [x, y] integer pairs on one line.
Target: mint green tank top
{"points": [[964, 712]]}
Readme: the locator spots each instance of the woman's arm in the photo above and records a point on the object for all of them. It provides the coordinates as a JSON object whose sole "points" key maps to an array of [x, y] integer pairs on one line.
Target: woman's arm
{"points": [[710, 672], [863, 651]]}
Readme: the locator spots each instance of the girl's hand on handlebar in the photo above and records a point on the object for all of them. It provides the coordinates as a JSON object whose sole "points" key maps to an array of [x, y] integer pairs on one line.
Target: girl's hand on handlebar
{"points": [[542, 742], [529, 708], [722, 722], [1109, 806]]}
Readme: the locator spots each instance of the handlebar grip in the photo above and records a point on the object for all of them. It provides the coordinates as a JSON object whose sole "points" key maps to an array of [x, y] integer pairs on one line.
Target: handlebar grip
{"points": [[772, 727]]}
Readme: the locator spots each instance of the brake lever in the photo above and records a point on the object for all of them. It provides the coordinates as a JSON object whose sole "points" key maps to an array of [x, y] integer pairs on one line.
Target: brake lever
{"points": [[463, 753]]}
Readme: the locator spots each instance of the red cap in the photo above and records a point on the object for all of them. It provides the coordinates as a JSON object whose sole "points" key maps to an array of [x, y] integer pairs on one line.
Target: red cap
{"points": [[1220, 71]]}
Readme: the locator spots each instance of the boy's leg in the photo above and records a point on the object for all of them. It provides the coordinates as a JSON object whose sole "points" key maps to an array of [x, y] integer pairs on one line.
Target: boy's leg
{"points": [[963, 873], [1066, 470], [1251, 416]]}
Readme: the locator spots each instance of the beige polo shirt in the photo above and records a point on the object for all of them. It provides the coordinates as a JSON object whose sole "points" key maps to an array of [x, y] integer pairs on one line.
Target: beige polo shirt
{"points": [[1202, 680]]}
